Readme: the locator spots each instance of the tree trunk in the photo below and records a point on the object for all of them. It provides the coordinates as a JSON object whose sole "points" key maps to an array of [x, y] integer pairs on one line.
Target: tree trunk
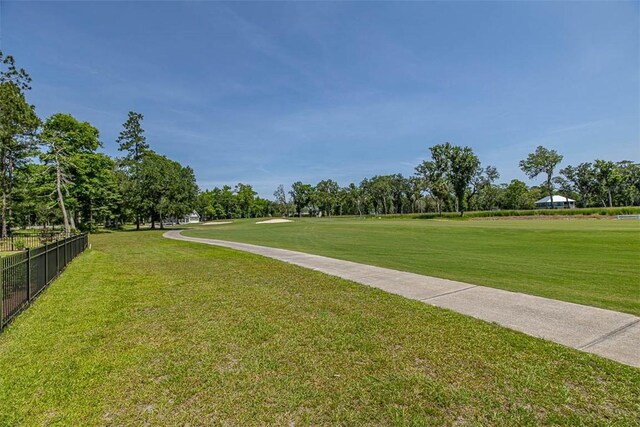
{"points": [[610, 199], [65, 219], [72, 221], [91, 215]]}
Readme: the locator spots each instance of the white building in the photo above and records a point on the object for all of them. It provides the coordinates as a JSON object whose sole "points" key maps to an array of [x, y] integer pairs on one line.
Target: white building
{"points": [[192, 218], [559, 202]]}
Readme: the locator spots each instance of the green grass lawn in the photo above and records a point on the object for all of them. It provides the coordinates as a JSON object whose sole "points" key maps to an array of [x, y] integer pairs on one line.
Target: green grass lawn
{"points": [[144, 330], [586, 261]]}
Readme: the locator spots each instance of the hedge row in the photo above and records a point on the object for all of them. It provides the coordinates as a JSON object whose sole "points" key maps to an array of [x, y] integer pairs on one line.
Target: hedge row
{"points": [[629, 210]]}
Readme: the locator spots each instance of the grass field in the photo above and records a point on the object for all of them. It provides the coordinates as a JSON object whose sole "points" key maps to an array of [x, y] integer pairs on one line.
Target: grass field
{"points": [[586, 261], [144, 330]]}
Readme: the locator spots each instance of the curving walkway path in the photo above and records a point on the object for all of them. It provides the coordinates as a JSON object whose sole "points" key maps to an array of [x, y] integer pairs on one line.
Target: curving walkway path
{"points": [[607, 333]]}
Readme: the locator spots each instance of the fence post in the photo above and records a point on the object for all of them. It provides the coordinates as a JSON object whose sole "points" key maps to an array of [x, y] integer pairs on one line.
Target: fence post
{"points": [[46, 263], [57, 257], [2, 296], [28, 274]]}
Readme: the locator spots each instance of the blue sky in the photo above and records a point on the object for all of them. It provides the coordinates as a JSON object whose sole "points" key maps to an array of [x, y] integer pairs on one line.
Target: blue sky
{"points": [[270, 93]]}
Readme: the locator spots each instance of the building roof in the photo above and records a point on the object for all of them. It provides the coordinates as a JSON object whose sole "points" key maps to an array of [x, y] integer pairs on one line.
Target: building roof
{"points": [[556, 199]]}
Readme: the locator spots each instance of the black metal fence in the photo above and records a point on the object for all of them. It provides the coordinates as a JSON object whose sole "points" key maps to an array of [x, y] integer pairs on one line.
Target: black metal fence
{"points": [[26, 274]]}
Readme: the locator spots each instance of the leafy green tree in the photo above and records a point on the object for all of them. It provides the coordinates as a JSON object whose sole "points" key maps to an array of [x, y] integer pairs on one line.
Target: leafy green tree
{"points": [[380, 190], [608, 178], [542, 161], [583, 181], [281, 200], [18, 125], [9, 73], [516, 195], [434, 182], [32, 203], [181, 191], [263, 207], [483, 194], [458, 165], [415, 194], [300, 195], [205, 205], [326, 195], [245, 197], [400, 189], [464, 164], [133, 142], [95, 190], [228, 202], [168, 189], [65, 139], [629, 193]]}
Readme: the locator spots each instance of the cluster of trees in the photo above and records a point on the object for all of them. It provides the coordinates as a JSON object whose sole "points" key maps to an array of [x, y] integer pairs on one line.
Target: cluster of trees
{"points": [[51, 171], [238, 202], [454, 180]]}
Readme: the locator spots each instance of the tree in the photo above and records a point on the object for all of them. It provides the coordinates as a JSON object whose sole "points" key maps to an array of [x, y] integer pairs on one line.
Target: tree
{"points": [[630, 182], [300, 195], [583, 180], [245, 197], [433, 182], [458, 165], [95, 190], [542, 161], [132, 141], [31, 199], [228, 202], [464, 164], [400, 190], [9, 73], [483, 193], [65, 138], [168, 189], [381, 192], [608, 177], [18, 125], [326, 195], [516, 195], [181, 192], [281, 199]]}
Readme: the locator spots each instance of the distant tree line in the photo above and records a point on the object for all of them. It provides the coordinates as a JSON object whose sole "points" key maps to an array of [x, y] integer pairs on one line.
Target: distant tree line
{"points": [[51, 170], [454, 180]]}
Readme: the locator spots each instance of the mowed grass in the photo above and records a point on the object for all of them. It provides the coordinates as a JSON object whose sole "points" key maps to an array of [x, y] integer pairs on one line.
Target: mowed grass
{"points": [[585, 261], [142, 330]]}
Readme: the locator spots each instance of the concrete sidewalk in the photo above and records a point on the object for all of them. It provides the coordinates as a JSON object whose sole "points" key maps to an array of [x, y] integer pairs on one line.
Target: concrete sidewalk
{"points": [[607, 333]]}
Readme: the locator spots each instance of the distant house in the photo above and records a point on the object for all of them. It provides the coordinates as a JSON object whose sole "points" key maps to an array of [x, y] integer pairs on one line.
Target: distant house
{"points": [[192, 218], [559, 202]]}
